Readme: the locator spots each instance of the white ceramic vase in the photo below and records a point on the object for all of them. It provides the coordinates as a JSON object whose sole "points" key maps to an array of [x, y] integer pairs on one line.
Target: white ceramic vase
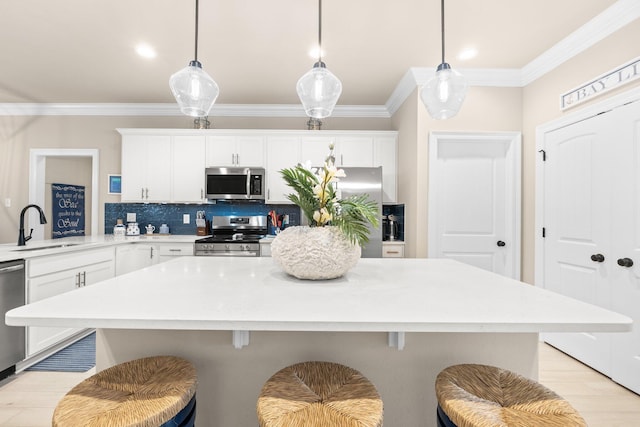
{"points": [[314, 253]]}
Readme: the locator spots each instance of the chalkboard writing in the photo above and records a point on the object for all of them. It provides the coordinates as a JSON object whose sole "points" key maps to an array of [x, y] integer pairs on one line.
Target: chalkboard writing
{"points": [[68, 210]]}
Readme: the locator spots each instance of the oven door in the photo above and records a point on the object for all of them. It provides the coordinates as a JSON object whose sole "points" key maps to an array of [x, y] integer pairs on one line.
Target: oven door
{"points": [[234, 183]]}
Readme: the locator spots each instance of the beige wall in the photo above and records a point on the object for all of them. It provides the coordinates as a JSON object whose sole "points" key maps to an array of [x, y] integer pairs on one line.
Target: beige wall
{"points": [[485, 110], [19, 134]]}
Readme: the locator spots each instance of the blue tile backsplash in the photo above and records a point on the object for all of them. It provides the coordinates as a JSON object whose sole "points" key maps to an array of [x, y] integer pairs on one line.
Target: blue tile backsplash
{"points": [[171, 213]]}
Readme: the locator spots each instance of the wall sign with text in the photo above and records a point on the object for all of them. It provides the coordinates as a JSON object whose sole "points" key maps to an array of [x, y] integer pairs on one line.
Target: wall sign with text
{"points": [[67, 203], [615, 78]]}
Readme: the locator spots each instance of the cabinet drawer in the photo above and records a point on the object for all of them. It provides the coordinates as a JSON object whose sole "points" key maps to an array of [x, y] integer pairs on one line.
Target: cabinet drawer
{"points": [[69, 260], [392, 251], [183, 249]]}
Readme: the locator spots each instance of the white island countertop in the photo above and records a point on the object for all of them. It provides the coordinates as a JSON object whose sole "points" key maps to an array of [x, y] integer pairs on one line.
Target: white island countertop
{"points": [[253, 294]]}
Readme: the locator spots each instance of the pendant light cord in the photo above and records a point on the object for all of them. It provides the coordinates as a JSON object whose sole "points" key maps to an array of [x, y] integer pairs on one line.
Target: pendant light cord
{"points": [[441, 26], [196, 53], [319, 30]]}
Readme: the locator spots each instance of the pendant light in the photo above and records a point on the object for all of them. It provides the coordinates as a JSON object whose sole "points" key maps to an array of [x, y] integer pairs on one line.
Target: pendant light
{"points": [[444, 93], [319, 89], [194, 89]]}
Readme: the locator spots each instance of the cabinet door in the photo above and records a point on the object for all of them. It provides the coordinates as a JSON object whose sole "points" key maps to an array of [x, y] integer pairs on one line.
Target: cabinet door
{"points": [[354, 151], [146, 168], [40, 338], [188, 168], [385, 155], [158, 174], [315, 149], [135, 257], [220, 150], [250, 151], [133, 168], [284, 152], [92, 274]]}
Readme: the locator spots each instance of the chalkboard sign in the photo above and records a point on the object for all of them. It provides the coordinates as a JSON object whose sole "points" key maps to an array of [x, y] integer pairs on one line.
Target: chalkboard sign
{"points": [[68, 210]]}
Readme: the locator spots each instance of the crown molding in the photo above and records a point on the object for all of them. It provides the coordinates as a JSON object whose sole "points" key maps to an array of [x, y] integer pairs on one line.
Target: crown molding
{"points": [[171, 109], [606, 23]]}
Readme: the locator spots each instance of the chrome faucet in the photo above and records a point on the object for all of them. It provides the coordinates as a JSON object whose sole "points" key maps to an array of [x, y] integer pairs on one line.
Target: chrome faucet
{"points": [[43, 220]]}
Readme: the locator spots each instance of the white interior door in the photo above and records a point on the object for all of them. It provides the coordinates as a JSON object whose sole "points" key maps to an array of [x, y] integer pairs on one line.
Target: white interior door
{"points": [[577, 217], [625, 280], [591, 217], [474, 199]]}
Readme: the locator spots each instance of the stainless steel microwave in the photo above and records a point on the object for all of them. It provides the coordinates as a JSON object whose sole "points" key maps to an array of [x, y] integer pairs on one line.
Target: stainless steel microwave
{"points": [[234, 183]]}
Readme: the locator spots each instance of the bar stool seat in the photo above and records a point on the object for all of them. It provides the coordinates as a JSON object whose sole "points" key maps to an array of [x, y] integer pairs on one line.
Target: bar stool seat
{"points": [[148, 392], [480, 396], [319, 394]]}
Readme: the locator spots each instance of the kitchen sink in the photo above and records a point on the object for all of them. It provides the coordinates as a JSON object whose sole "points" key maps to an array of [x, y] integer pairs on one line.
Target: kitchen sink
{"points": [[40, 248]]}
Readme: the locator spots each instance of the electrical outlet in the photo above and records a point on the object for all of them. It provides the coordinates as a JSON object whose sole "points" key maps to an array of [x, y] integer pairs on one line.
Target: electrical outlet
{"points": [[131, 217], [186, 218], [7, 202]]}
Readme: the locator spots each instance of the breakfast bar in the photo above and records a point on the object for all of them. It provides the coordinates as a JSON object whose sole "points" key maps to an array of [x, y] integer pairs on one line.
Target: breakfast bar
{"points": [[239, 320]]}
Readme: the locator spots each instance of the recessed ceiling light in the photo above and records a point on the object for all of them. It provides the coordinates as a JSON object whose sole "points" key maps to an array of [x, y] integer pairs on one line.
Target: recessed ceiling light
{"points": [[145, 51], [467, 53]]}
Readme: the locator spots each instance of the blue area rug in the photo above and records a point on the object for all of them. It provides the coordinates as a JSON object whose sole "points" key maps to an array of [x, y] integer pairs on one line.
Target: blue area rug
{"points": [[78, 357]]}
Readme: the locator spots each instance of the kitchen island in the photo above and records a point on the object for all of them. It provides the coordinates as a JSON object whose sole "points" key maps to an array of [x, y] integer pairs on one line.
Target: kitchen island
{"points": [[398, 321]]}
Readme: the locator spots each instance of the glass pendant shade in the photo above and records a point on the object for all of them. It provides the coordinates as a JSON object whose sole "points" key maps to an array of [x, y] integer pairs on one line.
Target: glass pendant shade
{"points": [[444, 93], [194, 90], [319, 90]]}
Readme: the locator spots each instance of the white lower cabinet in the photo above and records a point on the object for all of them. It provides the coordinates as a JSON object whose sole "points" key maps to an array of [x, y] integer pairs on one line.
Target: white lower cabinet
{"points": [[135, 256], [53, 275]]}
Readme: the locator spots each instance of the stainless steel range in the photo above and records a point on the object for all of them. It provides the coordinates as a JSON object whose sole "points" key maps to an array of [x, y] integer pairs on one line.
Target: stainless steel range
{"points": [[233, 236]]}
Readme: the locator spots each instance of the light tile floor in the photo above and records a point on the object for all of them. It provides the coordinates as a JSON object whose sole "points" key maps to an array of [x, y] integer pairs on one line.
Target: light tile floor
{"points": [[29, 398]]}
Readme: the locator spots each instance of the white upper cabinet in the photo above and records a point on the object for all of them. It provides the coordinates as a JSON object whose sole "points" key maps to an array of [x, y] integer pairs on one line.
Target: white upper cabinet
{"points": [[146, 165], [284, 152], [354, 150], [235, 150], [168, 165], [188, 168], [315, 149], [385, 154]]}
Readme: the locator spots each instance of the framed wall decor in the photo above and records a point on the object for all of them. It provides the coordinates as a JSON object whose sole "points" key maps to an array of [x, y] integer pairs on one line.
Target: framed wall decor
{"points": [[115, 184]]}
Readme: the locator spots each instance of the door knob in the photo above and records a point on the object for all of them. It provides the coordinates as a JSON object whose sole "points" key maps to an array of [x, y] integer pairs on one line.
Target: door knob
{"points": [[597, 258], [625, 262], [501, 243]]}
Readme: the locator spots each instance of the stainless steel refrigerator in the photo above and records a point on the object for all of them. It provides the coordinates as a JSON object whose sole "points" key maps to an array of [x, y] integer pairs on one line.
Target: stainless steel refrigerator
{"points": [[360, 181]]}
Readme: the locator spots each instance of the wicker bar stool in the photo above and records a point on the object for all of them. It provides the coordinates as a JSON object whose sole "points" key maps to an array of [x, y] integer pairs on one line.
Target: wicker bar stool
{"points": [[148, 392], [481, 396], [319, 394]]}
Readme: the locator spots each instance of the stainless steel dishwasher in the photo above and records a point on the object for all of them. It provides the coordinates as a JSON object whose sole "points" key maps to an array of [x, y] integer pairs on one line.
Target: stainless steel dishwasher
{"points": [[12, 338]]}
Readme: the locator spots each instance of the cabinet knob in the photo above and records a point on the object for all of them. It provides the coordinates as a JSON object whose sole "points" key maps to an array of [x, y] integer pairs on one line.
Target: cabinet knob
{"points": [[625, 262], [597, 258], [501, 243]]}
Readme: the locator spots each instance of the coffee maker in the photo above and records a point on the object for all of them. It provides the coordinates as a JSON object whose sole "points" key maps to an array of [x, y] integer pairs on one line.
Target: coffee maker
{"points": [[390, 228]]}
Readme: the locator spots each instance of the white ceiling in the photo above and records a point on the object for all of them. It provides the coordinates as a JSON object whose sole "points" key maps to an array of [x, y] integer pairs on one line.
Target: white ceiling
{"points": [[82, 51]]}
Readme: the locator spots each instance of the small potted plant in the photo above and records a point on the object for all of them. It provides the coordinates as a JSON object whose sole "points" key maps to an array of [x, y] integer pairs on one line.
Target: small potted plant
{"points": [[331, 244]]}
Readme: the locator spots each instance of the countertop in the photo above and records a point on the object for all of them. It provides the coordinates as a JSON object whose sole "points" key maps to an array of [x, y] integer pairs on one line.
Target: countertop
{"points": [[253, 294], [11, 251]]}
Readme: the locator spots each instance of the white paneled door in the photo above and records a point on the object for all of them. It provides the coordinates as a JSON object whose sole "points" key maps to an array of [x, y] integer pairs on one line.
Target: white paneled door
{"points": [[474, 199], [592, 232], [577, 204]]}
